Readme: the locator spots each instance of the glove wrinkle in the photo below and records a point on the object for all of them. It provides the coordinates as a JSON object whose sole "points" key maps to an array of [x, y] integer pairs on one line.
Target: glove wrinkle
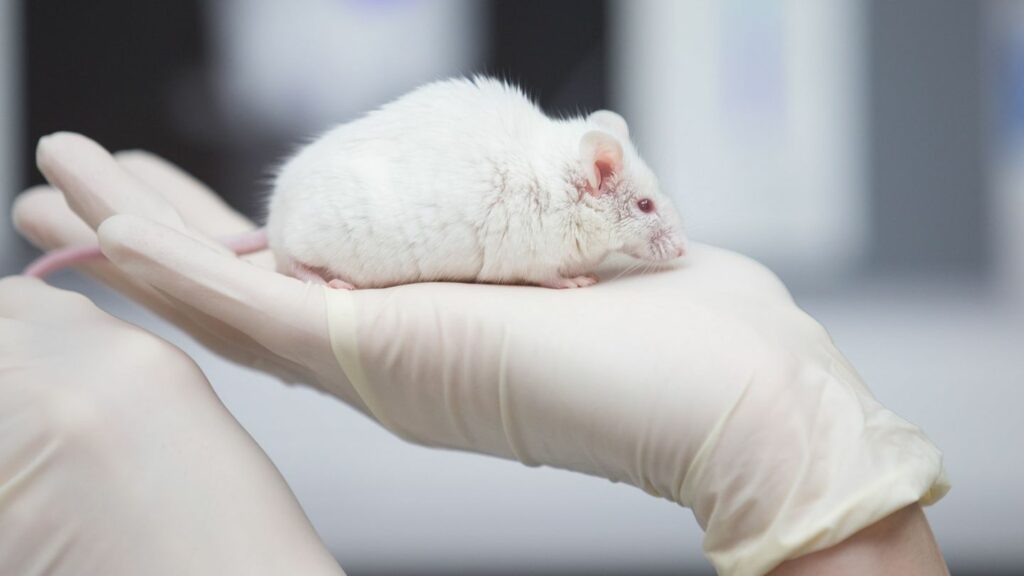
{"points": [[341, 315], [508, 418]]}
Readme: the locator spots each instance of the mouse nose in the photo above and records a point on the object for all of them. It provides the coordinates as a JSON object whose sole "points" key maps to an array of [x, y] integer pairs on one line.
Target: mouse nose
{"points": [[682, 244]]}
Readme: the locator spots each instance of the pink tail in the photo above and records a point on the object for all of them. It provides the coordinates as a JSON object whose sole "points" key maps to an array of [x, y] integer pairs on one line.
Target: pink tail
{"points": [[241, 244], [59, 259]]}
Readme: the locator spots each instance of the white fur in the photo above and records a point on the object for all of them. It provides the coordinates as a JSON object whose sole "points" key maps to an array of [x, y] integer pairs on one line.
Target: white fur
{"points": [[464, 180]]}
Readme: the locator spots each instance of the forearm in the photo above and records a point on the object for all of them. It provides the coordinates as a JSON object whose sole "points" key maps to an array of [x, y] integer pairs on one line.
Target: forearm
{"points": [[900, 544]]}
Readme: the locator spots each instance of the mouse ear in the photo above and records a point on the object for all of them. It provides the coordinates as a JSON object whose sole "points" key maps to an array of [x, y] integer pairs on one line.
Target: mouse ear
{"points": [[610, 121], [601, 156]]}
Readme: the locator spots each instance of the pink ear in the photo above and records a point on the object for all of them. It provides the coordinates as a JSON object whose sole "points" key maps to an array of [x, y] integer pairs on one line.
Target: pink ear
{"points": [[610, 122], [601, 156]]}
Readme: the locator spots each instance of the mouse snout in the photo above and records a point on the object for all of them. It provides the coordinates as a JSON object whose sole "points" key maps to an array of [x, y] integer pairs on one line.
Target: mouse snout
{"points": [[662, 246], [676, 249], [680, 246]]}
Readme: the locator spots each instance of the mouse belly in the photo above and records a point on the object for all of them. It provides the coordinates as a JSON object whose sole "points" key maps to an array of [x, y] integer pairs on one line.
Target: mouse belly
{"points": [[355, 277], [378, 260], [366, 250], [381, 262]]}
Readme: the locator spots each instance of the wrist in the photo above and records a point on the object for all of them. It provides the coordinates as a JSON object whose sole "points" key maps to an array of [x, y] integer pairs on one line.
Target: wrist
{"points": [[899, 544]]}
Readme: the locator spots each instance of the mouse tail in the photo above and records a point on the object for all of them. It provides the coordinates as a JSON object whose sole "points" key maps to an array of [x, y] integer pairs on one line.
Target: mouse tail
{"points": [[59, 259], [241, 244]]}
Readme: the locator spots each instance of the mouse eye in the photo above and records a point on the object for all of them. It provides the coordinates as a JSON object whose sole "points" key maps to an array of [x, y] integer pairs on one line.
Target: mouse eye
{"points": [[645, 205]]}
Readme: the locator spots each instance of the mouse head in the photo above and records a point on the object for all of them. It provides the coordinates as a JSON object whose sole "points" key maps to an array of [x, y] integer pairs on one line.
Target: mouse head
{"points": [[644, 222]]}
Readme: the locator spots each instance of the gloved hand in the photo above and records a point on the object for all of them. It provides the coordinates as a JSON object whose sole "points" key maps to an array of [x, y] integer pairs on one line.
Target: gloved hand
{"points": [[117, 458], [705, 385]]}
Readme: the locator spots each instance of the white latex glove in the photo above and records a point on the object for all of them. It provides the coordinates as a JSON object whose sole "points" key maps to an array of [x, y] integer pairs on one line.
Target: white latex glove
{"points": [[705, 385], [116, 457]]}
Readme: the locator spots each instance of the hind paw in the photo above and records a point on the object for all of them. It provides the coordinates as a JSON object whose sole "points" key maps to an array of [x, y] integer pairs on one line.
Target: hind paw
{"points": [[318, 276], [574, 282]]}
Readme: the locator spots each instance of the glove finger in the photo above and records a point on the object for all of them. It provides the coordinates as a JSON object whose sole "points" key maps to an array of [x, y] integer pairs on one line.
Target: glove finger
{"points": [[42, 216], [199, 206], [279, 313], [94, 185]]}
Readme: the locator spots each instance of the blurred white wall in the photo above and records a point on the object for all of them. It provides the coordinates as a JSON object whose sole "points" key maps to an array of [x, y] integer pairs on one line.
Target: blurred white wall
{"points": [[10, 123], [751, 113], [297, 67]]}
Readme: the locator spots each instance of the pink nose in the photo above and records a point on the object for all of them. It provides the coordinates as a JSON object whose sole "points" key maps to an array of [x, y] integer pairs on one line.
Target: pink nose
{"points": [[680, 251]]}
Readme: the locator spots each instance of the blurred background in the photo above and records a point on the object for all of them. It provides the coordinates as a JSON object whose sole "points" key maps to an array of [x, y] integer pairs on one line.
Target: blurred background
{"points": [[870, 152]]}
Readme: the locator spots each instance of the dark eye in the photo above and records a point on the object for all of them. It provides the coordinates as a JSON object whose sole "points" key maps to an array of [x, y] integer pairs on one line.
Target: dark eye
{"points": [[645, 205]]}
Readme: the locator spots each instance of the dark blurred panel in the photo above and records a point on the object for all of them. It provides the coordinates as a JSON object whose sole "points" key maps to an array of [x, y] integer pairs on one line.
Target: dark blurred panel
{"points": [[925, 149], [110, 69], [557, 50], [133, 75]]}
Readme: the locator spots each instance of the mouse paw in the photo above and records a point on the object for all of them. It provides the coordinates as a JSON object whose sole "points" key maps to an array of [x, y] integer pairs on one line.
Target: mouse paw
{"points": [[318, 276], [575, 282], [307, 273]]}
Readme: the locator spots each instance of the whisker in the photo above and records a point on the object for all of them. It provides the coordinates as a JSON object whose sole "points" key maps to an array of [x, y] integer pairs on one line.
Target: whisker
{"points": [[629, 269]]}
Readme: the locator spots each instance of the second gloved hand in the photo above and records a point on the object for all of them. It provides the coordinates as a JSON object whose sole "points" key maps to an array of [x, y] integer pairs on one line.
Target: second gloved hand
{"points": [[117, 458]]}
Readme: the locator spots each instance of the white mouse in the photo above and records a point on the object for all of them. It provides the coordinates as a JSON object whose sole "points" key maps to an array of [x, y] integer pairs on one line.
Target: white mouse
{"points": [[459, 180], [467, 180]]}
